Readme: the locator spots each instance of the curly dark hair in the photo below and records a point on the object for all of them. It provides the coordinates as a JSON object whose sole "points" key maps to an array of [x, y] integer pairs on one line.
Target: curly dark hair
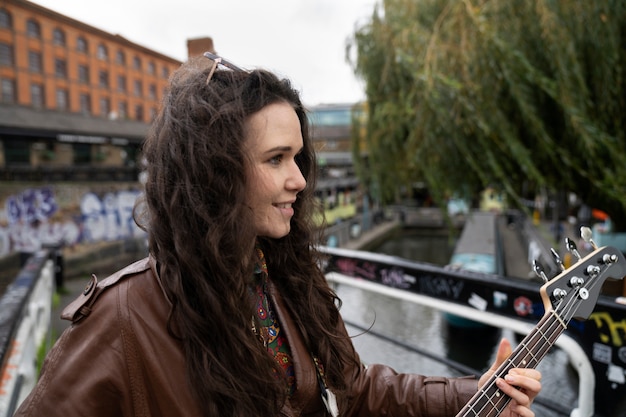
{"points": [[201, 234]]}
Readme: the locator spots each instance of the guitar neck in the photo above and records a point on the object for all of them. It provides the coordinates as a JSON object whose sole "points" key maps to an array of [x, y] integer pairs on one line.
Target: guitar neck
{"points": [[489, 401]]}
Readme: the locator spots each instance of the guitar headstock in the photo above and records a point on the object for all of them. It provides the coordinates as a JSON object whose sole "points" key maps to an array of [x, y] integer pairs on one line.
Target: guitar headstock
{"points": [[575, 291]]}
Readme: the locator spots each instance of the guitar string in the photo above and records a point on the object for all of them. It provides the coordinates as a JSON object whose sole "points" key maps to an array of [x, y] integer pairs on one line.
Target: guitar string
{"points": [[511, 362], [501, 400]]}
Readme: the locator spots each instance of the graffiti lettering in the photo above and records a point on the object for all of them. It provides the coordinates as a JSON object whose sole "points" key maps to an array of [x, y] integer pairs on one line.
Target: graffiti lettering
{"points": [[393, 277], [109, 218], [352, 268], [440, 286], [368, 270], [32, 220], [346, 266], [9, 369], [30, 206], [611, 332]]}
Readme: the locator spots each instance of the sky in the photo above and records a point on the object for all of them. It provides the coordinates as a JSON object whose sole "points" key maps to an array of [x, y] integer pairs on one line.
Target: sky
{"points": [[303, 40]]}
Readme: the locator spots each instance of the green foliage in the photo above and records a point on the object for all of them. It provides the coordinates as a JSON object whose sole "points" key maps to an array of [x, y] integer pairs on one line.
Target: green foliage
{"points": [[50, 338], [524, 94]]}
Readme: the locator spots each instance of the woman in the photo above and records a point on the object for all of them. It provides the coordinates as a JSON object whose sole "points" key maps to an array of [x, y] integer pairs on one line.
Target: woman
{"points": [[230, 314]]}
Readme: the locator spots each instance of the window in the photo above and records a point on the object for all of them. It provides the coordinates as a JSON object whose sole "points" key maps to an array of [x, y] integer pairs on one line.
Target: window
{"points": [[151, 68], [6, 22], [60, 68], [8, 91], [34, 61], [82, 153], [137, 63], [103, 79], [153, 113], [121, 83], [332, 117], [58, 37], [122, 110], [6, 55], [137, 88], [165, 73], [62, 98], [120, 57], [85, 103], [83, 74], [131, 155], [103, 53], [37, 95], [33, 30], [139, 112], [105, 106], [16, 152], [152, 92], [81, 45]]}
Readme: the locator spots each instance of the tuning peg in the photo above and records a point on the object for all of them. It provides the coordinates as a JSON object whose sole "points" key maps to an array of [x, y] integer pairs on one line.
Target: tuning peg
{"points": [[557, 259], [571, 246], [587, 234], [538, 268], [609, 259]]}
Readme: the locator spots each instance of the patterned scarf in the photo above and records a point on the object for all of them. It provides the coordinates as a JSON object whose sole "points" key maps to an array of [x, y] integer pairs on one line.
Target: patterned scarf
{"points": [[269, 329]]}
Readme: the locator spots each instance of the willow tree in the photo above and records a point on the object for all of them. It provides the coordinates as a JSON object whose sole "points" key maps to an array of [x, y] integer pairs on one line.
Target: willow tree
{"points": [[522, 94]]}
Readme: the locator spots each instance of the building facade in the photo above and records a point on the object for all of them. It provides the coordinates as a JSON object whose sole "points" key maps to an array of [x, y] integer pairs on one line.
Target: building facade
{"points": [[74, 100], [338, 187], [75, 106]]}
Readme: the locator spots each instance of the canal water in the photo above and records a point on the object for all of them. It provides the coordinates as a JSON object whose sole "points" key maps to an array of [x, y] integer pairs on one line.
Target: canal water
{"points": [[404, 335]]}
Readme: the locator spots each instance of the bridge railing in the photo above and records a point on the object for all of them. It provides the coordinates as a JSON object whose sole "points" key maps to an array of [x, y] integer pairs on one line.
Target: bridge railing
{"points": [[25, 309], [419, 282]]}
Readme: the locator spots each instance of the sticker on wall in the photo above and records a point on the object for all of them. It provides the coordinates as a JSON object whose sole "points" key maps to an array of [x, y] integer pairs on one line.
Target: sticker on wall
{"points": [[500, 299], [601, 353], [523, 306], [477, 302]]}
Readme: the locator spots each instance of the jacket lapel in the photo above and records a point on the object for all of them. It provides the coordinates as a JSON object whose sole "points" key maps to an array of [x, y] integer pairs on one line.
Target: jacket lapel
{"points": [[306, 398]]}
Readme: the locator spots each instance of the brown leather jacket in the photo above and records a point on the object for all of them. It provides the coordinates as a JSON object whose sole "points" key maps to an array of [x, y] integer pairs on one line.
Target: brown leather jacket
{"points": [[117, 359]]}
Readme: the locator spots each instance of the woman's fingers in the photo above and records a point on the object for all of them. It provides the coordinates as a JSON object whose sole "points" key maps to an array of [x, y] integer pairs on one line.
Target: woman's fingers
{"points": [[522, 385]]}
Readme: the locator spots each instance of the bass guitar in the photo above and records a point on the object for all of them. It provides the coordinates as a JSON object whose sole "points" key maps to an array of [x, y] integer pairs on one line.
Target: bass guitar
{"points": [[571, 294]]}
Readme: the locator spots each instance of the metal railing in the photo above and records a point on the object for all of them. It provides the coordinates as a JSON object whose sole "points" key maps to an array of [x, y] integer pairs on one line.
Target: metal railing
{"points": [[577, 356], [25, 319]]}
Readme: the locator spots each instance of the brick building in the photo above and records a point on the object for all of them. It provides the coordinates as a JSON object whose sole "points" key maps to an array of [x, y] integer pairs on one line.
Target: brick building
{"points": [[75, 101]]}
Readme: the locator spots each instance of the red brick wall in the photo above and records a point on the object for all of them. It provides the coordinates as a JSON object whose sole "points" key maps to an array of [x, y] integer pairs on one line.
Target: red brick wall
{"points": [[48, 20]]}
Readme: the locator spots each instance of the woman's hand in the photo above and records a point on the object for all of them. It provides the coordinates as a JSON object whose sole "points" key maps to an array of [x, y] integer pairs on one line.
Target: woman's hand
{"points": [[521, 384]]}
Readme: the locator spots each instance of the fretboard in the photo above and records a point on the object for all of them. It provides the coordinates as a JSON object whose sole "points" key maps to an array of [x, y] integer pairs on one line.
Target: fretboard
{"points": [[489, 401]]}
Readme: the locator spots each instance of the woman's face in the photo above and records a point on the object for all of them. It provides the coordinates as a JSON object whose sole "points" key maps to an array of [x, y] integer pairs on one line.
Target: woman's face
{"points": [[273, 139]]}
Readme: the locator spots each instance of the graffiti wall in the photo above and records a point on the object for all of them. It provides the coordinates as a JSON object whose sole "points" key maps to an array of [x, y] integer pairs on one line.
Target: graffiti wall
{"points": [[31, 217], [604, 338]]}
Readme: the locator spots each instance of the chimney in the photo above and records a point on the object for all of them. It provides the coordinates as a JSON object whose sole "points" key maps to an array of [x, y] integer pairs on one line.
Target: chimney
{"points": [[196, 47]]}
